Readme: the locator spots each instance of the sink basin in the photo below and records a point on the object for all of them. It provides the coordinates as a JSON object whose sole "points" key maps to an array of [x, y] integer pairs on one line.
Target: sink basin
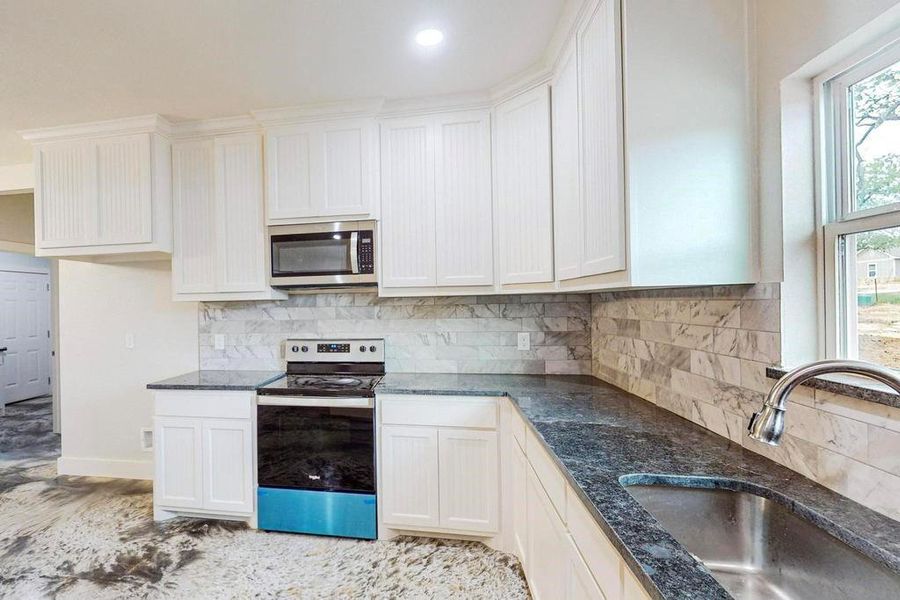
{"points": [[757, 548]]}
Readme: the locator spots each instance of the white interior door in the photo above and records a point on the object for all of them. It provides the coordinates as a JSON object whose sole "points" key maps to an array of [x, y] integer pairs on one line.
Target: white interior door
{"points": [[25, 335]]}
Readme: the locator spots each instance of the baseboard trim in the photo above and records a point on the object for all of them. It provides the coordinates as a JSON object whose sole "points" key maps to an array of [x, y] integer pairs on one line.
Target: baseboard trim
{"points": [[104, 467]]}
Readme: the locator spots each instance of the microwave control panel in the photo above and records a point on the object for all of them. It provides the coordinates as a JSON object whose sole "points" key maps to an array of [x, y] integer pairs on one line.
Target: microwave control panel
{"points": [[365, 250]]}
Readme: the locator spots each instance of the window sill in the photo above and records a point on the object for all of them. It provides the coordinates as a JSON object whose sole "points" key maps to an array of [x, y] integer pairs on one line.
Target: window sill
{"points": [[847, 385]]}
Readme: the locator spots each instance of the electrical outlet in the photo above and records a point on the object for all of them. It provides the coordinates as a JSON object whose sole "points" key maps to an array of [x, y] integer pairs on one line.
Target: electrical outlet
{"points": [[146, 439], [524, 341], [219, 341], [129, 341]]}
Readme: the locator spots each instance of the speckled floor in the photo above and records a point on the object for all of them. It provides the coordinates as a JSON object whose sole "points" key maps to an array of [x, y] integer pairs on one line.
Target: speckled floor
{"points": [[82, 537]]}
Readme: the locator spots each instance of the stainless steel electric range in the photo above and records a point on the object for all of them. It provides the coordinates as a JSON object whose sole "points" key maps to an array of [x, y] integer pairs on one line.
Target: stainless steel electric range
{"points": [[316, 440]]}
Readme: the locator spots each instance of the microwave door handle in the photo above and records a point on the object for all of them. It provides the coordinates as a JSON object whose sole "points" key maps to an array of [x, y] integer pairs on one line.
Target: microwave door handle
{"points": [[354, 252]]}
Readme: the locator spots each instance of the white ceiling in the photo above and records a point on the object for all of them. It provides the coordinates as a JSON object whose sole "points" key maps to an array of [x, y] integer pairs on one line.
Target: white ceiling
{"points": [[76, 61]]}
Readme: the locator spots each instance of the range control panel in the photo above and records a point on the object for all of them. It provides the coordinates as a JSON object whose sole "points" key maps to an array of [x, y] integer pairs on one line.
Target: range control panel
{"points": [[344, 350]]}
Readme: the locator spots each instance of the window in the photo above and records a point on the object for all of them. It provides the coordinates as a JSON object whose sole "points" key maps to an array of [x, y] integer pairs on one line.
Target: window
{"points": [[861, 194]]}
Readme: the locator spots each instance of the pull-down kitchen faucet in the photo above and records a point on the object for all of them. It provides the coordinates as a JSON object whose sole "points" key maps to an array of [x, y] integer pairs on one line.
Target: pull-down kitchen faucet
{"points": [[767, 425]]}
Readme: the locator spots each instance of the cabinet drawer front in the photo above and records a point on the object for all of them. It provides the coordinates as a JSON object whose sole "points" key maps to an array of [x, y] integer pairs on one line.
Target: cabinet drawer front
{"points": [[439, 411], [601, 557], [205, 403], [548, 473]]}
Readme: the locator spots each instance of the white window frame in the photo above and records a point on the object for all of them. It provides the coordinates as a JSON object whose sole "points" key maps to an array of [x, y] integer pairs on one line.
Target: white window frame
{"points": [[835, 195]]}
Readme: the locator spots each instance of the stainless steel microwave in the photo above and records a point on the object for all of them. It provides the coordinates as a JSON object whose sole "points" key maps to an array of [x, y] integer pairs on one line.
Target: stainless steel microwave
{"points": [[340, 254]]}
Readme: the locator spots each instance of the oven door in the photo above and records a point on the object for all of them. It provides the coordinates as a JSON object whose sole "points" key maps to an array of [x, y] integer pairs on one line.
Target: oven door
{"points": [[322, 254], [320, 444]]}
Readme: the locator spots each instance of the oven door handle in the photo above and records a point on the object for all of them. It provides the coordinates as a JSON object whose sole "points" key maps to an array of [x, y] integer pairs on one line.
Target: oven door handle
{"points": [[315, 401], [354, 252]]}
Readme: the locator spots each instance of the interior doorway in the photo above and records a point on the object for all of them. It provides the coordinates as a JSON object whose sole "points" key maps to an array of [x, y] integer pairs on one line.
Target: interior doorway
{"points": [[25, 328]]}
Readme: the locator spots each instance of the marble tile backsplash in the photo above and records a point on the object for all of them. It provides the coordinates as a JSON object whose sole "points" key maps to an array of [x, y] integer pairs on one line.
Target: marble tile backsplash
{"points": [[439, 335], [702, 352]]}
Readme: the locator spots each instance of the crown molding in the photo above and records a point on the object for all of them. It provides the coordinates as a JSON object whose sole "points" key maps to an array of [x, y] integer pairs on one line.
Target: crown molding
{"points": [[397, 107], [127, 126], [218, 126], [365, 107]]}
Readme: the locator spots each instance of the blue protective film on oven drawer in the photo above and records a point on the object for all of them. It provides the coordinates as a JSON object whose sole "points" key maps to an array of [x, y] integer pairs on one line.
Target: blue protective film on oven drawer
{"points": [[319, 513]]}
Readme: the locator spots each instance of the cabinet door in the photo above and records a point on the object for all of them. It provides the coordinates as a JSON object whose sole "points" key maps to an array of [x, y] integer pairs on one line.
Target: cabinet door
{"points": [[194, 216], [289, 171], [349, 164], [518, 491], [64, 194], [469, 485], [524, 195], [178, 480], [580, 585], [464, 230], [407, 204], [123, 191], [600, 108], [547, 544], [227, 465], [409, 471], [239, 213], [566, 198]]}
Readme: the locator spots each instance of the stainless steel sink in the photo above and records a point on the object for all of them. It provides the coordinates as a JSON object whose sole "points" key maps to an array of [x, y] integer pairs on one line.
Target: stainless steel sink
{"points": [[757, 548]]}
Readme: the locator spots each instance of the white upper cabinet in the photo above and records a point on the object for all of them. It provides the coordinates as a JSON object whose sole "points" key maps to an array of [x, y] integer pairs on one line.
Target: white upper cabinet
{"points": [[523, 187], [462, 181], [407, 203], [436, 194], [220, 244], [321, 170], [566, 158], [601, 168], [103, 189]]}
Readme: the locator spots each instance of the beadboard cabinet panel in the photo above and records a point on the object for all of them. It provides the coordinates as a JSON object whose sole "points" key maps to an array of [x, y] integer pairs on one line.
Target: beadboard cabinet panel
{"points": [[409, 465], [567, 220], [463, 221], [241, 243], [63, 208], [321, 170], [469, 494], [523, 187], [228, 465], [194, 199], [178, 480], [124, 210], [407, 204], [600, 109]]}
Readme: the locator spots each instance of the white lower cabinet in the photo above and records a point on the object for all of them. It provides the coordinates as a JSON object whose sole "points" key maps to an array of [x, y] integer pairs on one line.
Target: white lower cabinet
{"points": [[409, 465], [203, 454], [580, 584], [547, 543], [439, 461], [518, 481]]}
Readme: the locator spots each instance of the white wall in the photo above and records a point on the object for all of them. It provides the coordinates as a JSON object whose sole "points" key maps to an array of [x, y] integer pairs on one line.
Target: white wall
{"points": [[104, 401], [23, 263], [17, 218]]}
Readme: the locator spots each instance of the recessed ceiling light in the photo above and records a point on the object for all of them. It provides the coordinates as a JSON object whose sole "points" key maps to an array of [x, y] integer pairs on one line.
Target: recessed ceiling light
{"points": [[429, 37]]}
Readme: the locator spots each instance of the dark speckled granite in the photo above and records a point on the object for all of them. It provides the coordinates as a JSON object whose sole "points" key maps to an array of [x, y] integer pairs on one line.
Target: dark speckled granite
{"points": [[218, 380], [602, 436], [864, 389]]}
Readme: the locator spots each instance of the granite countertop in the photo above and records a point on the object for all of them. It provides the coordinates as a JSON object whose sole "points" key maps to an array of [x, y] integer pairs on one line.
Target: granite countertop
{"points": [[600, 435], [218, 380]]}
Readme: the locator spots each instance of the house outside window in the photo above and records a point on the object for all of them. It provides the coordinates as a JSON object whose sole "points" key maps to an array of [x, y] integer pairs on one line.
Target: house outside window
{"points": [[860, 182]]}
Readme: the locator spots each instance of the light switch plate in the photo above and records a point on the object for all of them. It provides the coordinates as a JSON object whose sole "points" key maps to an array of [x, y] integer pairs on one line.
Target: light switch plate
{"points": [[524, 341], [146, 439], [219, 341]]}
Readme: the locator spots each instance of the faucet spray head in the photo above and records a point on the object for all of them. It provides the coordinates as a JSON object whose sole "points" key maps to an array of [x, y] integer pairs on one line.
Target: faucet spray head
{"points": [[767, 425]]}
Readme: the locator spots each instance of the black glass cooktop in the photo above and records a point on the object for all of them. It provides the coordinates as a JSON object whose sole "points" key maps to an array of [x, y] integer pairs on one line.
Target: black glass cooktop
{"points": [[322, 385]]}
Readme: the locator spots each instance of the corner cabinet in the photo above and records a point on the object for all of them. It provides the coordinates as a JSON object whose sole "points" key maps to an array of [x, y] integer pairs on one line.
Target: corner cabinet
{"points": [[103, 190], [439, 464], [436, 226], [322, 170], [220, 238], [203, 454]]}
